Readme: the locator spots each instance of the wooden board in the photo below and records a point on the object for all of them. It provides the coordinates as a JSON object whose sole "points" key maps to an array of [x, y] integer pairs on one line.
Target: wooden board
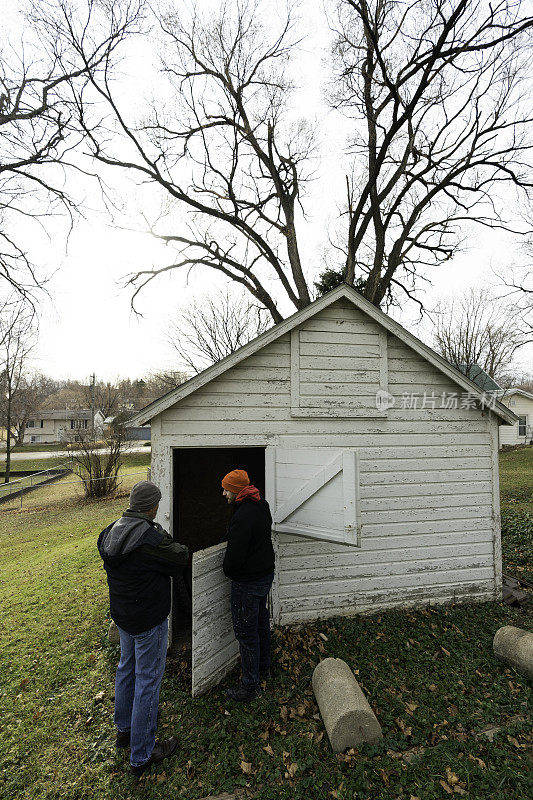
{"points": [[215, 650]]}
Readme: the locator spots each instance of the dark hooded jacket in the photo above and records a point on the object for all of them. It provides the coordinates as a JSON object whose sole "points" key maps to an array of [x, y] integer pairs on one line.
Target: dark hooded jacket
{"points": [[139, 558], [249, 553]]}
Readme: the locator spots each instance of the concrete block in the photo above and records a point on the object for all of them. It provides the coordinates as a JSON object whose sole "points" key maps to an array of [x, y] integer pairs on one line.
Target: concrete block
{"points": [[347, 715], [113, 634], [514, 646]]}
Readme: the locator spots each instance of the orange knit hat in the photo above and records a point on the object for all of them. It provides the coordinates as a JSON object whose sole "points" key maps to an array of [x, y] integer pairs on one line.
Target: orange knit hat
{"points": [[235, 480]]}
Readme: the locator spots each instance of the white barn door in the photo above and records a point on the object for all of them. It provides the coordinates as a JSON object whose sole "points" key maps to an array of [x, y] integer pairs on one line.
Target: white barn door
{"points": [[314, 493], [215, 650]]}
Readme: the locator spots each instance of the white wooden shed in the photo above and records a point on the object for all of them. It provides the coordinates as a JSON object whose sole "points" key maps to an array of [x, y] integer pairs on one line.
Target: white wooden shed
{"points": [[378, 458]]}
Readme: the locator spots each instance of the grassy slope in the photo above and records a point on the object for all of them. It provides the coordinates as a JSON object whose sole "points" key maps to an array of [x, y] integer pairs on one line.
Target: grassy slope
{"points": [[516, 488], [56, 739], [36, 464]]}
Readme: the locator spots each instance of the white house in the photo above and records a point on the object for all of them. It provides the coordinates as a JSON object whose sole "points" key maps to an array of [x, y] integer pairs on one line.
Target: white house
{"points": [[57, 425], [521, 403], [378, 458]]}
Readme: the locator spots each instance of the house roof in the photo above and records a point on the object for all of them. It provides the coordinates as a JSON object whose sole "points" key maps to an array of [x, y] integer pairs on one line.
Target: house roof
{"points": [[516, 390], [63, 414], [342, 291], [479, 376]]}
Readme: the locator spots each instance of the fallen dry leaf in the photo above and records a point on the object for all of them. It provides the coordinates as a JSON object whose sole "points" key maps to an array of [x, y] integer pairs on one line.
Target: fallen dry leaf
{"points": [[445, 786], [477, 761], [283, 712], [246, 767], [451, 777], [268, 749], [292, 770]]}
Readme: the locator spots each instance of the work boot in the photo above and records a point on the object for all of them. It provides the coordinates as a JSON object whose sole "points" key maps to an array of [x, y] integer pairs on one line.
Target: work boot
{"points": [[162, 750], [242, 695], [122, 740]]}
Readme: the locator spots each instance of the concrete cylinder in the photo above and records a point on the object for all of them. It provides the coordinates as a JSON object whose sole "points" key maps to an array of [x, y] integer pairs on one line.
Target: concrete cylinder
{"points": [[514, 646], [348, 718]]}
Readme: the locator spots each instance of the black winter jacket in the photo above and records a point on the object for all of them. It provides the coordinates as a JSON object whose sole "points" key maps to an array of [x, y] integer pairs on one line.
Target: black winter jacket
{"points": [[139, 558], [249, 554]]}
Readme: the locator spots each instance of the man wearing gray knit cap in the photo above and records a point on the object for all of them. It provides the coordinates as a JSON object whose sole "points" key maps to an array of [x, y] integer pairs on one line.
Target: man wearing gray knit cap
{"points": [[140, 558]]}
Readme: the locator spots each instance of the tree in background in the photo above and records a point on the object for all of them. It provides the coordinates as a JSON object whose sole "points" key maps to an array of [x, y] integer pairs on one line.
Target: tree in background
{"points": [[33, 390], [38, 133], [478, 330], [17, 340], [438, 98], [211, 328], [98, 463]]}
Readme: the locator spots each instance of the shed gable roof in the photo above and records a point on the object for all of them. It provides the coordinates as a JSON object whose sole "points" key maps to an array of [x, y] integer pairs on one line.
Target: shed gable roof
{"points": [[342, 291]]}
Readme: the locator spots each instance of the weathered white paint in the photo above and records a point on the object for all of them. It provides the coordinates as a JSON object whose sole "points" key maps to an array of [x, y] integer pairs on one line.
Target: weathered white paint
{"points": [[215, 650], [420, 486], [340, 302], [314, 493]]}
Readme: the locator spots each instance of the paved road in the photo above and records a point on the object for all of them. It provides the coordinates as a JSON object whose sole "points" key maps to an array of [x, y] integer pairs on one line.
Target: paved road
{"points": [[61, 454]]}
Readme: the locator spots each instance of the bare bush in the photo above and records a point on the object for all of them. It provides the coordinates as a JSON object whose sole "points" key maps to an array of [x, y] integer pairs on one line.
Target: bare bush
{"points": [[98, 466]]}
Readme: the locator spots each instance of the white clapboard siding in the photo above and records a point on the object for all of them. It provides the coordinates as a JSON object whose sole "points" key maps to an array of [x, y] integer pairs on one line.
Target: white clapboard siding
{"points": [[424, 501], [344, 348], [522, 406], [215, 650], [307, 609], [391, 582]]}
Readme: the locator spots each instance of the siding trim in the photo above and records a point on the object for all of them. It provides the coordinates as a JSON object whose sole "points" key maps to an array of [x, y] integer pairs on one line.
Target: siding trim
{"points": [[270, 497], [496, 516]]}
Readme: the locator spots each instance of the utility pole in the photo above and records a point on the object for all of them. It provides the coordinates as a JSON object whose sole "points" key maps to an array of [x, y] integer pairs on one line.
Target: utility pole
{"points": [[93, 382]]}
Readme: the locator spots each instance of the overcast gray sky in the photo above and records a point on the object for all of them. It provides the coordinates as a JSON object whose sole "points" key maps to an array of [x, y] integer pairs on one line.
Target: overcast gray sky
{"points": [[87, 325]]}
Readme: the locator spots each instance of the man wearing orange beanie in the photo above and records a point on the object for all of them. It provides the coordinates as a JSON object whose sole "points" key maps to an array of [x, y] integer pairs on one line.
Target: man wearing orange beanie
{"points": [[249, 562]]}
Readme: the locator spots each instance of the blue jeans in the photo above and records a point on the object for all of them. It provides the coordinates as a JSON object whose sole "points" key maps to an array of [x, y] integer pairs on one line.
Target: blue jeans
{"points": [[251, 625], [137, 684]]}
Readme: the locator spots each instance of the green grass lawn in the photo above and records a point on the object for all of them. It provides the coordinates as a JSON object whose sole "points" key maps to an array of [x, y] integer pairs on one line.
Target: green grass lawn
{"points": [[429, 675], [516, 490], [37, 464]]}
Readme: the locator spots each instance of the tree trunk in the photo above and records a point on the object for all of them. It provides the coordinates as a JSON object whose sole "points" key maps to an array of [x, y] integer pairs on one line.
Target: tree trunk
{"points": [[8, 443]]}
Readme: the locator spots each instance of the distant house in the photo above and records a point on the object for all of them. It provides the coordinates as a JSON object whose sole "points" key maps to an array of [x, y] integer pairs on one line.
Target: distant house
{"points": [[134, 433], [521, 403], [47, 427]]}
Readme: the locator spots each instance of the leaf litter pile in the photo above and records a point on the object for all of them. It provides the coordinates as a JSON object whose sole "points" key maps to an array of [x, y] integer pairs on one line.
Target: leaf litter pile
{"points": [[454, 721]]}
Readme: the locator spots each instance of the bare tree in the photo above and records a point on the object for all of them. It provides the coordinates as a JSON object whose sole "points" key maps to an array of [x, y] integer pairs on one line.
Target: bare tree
{"points": [[211, 328], [517, 284], [478, 330], [38, 134], [158, 383], [98, 466], [442, 109], [438, 94], [17, 339], [33, 390], [221, 145]]}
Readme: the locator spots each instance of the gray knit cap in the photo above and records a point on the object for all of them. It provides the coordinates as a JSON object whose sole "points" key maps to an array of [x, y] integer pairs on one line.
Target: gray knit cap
{"points": [[144, 496]]}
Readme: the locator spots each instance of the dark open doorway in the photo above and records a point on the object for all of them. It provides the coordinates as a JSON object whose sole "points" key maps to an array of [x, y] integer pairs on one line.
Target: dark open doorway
{"points": [[201, 514]]}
